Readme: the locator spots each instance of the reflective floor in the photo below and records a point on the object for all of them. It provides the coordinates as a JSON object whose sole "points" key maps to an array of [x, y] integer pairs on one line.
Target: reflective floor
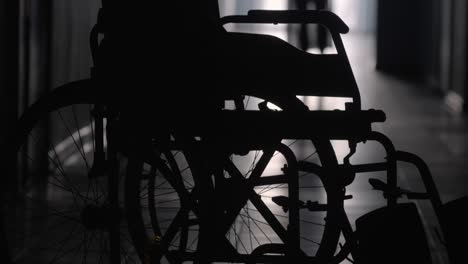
{"points": [[417, 121]]}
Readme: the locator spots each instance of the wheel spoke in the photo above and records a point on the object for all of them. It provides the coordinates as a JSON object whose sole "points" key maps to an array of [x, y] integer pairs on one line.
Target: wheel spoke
{"points": [[46, 222], [78, 129], [248, 221], [62, 243], [83, 155]]}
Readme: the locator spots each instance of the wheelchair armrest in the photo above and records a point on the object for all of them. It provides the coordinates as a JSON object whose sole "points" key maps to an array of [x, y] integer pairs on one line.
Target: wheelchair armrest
{"points": [[326, 18], [339, 125]]}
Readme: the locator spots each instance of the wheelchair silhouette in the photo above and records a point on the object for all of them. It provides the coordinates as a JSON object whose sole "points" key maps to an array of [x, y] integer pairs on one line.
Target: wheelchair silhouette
{"points": [[224, 183]]}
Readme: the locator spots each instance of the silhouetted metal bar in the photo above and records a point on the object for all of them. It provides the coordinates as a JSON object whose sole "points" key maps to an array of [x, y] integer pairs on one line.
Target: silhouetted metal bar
{"points": [[391, 163], [270, 180], [426, 177], [113, 192], [248, 258], [249, 194], [291, 170], [321, 33], [371, 167], [325, 18], [343, 54], [268, 216], [245, 125]]}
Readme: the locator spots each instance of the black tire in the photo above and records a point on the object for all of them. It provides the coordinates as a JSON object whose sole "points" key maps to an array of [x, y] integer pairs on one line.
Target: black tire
{"points": [[54, 210], [154, 190]]}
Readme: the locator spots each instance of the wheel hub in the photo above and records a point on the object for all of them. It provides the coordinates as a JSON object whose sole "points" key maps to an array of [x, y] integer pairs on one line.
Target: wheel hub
{"points": [[96, 217]]}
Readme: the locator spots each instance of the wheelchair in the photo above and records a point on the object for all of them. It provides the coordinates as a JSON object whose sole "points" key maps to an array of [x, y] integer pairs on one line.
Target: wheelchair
{"points": [[224, 183]]}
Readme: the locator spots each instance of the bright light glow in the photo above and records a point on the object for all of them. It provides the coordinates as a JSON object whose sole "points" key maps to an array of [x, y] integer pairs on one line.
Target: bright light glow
{"points": [[76, 157], [67, 142], [241, 7], [279, 31], [69, 148], [275, 4], [324, 103]]}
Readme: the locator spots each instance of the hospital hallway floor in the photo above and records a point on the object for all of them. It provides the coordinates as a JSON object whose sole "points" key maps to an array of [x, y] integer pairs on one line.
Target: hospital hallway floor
{"points": [[66, 220], [418, 121]]}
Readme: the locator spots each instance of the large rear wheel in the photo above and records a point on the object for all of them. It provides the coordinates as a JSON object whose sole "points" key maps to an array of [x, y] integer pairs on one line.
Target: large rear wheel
{"points": [[162, 200], [57, 209]]}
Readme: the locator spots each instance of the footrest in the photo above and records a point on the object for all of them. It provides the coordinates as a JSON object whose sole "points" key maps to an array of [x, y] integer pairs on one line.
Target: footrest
{"points": [[391, 235], [455, 223]]}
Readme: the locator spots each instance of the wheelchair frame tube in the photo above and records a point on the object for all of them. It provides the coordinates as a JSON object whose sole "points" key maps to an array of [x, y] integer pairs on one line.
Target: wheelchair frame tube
{"points": [[392, 158], [391, 162], [292, 173], [341, 50], [391, 165], [428, 181]]}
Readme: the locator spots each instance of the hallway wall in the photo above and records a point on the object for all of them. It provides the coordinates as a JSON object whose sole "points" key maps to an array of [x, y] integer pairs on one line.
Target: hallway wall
{"points": [[360, 16], [72, 23], [8, 63], [9, 75], [453, 53], [426, 41], [407, 38]]}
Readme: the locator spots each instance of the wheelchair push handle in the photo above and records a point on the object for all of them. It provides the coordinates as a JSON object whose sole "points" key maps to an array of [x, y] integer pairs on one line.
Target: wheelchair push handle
{"points": [[325, 18]]}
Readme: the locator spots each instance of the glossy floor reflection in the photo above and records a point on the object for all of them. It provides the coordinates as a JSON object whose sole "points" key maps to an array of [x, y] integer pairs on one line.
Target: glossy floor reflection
{"points": [[417, 121]]}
